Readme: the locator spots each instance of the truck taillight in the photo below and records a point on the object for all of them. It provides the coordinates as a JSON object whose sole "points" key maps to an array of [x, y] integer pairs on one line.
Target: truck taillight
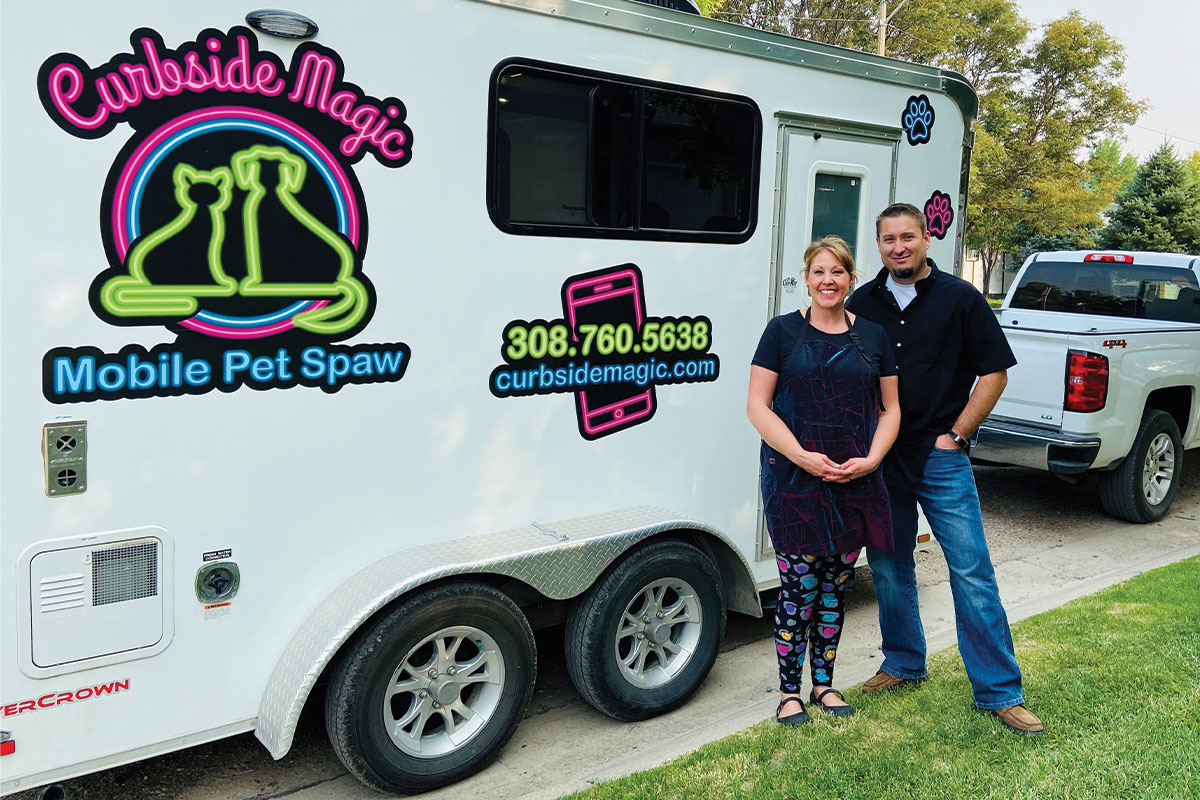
{"points": [[1087, 381], [1112, 258]]}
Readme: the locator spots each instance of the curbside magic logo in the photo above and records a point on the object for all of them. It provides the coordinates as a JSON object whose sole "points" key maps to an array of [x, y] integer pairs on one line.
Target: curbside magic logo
{"points": [[233, 216], [605, 350]]}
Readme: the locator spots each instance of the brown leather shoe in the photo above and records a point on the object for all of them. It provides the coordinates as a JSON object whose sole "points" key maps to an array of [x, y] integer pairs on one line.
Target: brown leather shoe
{"points": [[1021, 720], [883, 681]]}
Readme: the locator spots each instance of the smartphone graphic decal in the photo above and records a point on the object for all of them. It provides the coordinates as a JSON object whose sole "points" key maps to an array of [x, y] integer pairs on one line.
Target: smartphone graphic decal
{"points": [[613, 296]]}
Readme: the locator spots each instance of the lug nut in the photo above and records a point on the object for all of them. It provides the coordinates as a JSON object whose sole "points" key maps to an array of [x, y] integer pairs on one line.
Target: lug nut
{"points": [[436, 704], [641, 636], [433, 672], [423, 693], [659, 615], [452, 671], [646, 618]]}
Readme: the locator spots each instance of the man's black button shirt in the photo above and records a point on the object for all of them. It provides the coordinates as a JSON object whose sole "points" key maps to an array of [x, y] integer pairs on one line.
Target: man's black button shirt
{"points": [[944, 340]]}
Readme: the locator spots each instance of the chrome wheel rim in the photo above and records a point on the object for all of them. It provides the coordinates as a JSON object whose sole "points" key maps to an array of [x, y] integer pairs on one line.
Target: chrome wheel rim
{"points": [[444, 691], [1158, 470], [659, 632]]}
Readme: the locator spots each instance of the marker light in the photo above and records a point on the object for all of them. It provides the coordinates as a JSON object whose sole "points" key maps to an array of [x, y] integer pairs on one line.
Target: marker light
{"points": [[284, 24], [1113, 258], [1087, 381]]}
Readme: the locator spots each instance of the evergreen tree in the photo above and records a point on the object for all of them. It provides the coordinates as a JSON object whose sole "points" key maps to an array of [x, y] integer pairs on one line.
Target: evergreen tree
{"points": [[1159, 210]]}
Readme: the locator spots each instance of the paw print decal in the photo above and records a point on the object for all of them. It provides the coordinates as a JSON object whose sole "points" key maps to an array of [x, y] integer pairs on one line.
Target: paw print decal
{"points": [[917, 119], [938, 214]]}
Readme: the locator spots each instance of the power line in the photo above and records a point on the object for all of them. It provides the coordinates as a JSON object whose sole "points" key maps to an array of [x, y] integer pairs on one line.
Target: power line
{"points": [[1164, 133]]}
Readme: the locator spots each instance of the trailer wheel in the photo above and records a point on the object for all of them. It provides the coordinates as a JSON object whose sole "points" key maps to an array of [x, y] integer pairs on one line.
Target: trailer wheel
{"points": [[643, 639], [1142, 488], [431, 692]]}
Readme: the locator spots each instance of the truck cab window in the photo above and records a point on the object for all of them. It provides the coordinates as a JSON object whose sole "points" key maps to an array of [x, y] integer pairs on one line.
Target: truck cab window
{"points": [[574, 153], [1138, 291]]}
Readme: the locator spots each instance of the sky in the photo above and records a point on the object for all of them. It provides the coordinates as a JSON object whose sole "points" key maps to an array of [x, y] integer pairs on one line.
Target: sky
{"points": [[1162, 63]]}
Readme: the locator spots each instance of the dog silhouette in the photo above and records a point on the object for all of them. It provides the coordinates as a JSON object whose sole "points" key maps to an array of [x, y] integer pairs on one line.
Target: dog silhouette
{"points": [[289, 252]]}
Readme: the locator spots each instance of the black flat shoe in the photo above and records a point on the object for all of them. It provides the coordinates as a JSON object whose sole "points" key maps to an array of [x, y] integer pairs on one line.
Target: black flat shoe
{"points": [[792, 719], [837, 711]]}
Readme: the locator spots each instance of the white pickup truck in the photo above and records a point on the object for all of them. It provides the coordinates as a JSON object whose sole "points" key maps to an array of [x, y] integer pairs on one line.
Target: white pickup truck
{"points": [[1107, 376]]}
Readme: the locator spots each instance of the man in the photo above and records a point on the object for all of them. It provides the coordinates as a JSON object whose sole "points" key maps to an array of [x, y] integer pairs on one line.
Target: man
{"points": [[947, 340]]}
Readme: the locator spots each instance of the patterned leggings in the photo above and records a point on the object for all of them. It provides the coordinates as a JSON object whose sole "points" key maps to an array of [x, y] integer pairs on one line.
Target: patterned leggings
{"points": [[812, 591]]}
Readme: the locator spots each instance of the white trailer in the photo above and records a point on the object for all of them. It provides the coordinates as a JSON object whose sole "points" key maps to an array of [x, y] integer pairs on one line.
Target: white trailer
{"points": [[348, 347]]}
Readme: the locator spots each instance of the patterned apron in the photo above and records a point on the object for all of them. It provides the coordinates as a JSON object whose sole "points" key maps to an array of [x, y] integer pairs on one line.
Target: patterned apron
{"points": [[828, 395]]}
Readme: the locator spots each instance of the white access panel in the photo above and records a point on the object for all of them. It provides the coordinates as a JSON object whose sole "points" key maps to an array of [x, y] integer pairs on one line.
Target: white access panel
{"points": [[95, 600]]}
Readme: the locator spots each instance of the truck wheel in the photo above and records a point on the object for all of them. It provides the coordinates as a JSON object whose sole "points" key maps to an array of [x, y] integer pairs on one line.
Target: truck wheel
{"points": [[430, 692], [1142, 488], [645, 636]]}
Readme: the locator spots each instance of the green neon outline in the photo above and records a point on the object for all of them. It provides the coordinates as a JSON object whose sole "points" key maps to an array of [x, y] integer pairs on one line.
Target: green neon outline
{"points": [[133, 295], [292, 171]]}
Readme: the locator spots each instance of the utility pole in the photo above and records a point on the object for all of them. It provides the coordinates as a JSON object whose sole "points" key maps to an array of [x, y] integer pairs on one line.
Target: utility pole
{"points": [[882, 27], [884, 19]]}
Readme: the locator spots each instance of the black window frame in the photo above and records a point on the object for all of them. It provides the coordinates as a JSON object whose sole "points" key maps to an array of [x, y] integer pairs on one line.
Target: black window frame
{"points": [[639, 86]]}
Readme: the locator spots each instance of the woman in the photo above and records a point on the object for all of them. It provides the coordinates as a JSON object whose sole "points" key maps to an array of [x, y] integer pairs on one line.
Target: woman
{"points": [[817, 384]]}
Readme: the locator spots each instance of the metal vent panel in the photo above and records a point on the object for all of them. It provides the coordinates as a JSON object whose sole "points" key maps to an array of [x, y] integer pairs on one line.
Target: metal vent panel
{"points": [[94, 599], [60, 592], [120, 574]]}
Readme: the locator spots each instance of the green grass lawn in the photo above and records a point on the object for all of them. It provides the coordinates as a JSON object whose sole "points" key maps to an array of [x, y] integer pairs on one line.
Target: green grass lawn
{"points": [[1115, 677]]}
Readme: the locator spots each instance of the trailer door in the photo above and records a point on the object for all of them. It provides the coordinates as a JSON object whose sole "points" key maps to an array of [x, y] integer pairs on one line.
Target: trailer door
{"points": [[833, 179]]}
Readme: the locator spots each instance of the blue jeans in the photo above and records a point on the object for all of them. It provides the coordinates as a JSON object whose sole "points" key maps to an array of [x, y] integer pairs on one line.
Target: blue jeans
{"points": [[948, 497]]}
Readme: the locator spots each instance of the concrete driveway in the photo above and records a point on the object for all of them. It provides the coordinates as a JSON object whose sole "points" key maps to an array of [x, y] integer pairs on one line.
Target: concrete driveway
{"points": [[1050, 543]]}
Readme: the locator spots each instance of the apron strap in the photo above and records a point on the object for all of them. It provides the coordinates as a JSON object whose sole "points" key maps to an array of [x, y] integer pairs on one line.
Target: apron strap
{"points": [[799, 342], [857, 342]]}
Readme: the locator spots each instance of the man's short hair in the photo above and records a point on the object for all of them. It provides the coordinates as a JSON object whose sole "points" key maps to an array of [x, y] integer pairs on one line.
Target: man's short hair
{"points": [[900, 210]]}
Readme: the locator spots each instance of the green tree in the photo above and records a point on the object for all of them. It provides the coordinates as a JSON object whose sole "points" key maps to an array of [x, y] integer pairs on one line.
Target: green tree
{"points": [[1043, 162], [979, 38], [1110, 164], [1026, 176], [845, 23], [1192, 162], [1159, 210]]}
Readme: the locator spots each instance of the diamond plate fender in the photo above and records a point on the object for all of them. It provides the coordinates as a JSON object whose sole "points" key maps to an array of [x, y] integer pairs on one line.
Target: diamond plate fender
{"points": [[559, 559]]}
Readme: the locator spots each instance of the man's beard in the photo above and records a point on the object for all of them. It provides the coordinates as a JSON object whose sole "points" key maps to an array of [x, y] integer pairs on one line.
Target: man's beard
{"points": [[903, 273]]}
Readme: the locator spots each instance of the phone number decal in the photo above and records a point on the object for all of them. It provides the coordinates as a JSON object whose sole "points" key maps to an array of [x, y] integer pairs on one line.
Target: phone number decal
{"points": [[539, 339], [606, 350]]}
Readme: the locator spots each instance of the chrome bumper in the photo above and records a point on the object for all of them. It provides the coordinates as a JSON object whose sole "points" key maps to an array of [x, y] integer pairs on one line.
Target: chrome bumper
{"points": [[1002, 442]]}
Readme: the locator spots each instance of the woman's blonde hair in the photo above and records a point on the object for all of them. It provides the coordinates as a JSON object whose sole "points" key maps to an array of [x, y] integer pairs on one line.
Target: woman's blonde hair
{"points": [[835, 245]]}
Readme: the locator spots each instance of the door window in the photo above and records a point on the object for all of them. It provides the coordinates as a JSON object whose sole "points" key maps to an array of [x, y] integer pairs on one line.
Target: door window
{"points": [[836, 207]]}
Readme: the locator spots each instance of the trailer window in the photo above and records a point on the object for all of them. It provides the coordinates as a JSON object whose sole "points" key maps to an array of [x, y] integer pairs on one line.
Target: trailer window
{"points": [[1137, 291], [574, 153]]}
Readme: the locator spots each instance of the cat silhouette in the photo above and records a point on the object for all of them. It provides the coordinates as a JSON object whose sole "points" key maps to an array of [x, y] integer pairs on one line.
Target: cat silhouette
{"points": [[289, 252], [173, 265]]}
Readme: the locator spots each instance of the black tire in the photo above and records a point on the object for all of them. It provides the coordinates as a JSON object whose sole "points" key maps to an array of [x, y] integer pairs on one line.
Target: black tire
{"points": [[1126, 492], [599, 638], [388, 652]]}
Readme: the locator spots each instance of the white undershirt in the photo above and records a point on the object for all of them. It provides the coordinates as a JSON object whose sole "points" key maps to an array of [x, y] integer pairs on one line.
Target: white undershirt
{"points": [[904, 293]]}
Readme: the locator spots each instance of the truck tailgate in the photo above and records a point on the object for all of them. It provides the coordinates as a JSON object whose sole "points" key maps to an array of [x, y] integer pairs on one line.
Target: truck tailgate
{"points": [[1042, 365]]}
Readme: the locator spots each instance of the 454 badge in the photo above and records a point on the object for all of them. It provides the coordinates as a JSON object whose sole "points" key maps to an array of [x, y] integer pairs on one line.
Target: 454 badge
{"points": [[605, 350], [232, 216]]}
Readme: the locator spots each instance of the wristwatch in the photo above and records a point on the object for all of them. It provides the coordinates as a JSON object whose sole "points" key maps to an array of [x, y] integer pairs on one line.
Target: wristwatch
{"points": [[963, 444]]}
